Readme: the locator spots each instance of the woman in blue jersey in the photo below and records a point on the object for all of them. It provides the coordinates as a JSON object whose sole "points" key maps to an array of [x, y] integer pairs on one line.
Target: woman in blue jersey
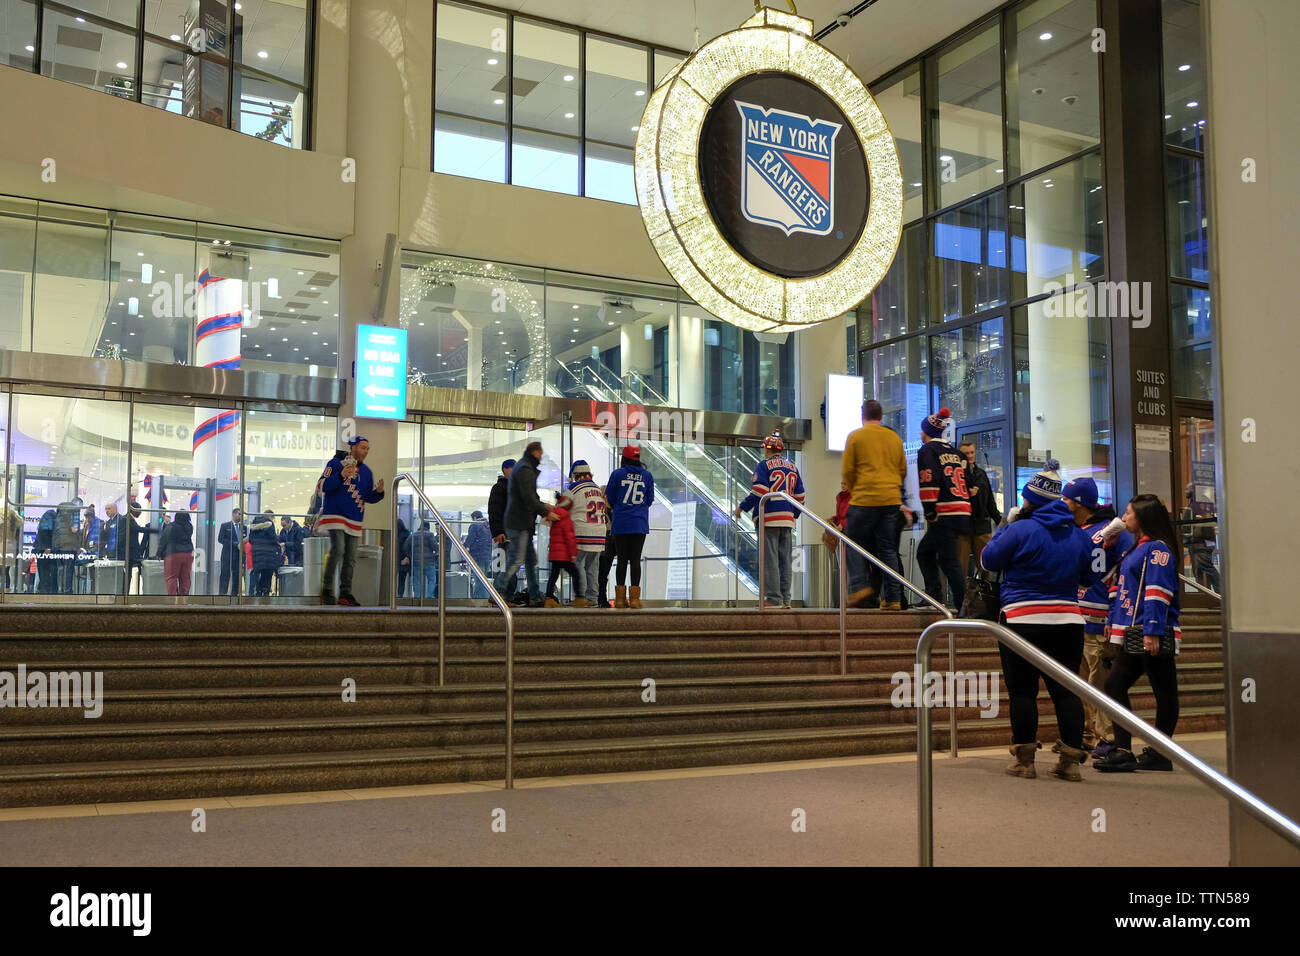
{"points": [[630, 493], [1146, 593]]}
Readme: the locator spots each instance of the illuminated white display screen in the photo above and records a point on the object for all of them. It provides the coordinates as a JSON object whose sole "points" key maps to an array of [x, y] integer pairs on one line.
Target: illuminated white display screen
{"points": [[843, 409]]}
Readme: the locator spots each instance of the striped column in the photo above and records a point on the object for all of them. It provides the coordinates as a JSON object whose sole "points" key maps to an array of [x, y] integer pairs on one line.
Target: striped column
{"points": [[216, 345]]}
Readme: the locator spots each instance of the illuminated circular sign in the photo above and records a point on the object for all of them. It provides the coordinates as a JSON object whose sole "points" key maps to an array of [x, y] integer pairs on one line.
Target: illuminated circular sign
{"points": [[768, 179]]}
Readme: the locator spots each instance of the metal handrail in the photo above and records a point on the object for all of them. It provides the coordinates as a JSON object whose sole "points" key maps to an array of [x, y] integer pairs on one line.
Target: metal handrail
{"points": [[1201, 587], [447, 534], [1270, 817], [846, 541]]}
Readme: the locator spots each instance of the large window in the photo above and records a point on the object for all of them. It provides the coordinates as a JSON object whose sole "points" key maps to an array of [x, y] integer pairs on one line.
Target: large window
{"points": [[536, 104], [968, 88], [243, 66], [87, 282], [505, 328], [899, 99]]}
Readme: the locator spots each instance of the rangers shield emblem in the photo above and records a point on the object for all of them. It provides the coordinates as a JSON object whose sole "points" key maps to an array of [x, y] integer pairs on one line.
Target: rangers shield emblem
{"points": [[789, 177]]}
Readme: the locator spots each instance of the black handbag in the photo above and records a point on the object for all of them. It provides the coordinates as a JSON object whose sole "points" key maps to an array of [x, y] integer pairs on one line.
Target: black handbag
{"points": [[1134, 634], [983, 599]]}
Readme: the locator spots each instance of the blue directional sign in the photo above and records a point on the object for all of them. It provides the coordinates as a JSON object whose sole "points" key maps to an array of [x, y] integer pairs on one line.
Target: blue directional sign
{"points": [[381, 372]]}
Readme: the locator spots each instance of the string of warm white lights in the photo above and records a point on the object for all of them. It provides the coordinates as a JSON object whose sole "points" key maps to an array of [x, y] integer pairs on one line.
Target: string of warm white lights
{"points": [[677, 217]]}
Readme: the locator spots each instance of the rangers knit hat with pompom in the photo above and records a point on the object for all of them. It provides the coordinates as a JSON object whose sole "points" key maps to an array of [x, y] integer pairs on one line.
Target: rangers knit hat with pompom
{"points": [[935, 425], [1044, 487]]}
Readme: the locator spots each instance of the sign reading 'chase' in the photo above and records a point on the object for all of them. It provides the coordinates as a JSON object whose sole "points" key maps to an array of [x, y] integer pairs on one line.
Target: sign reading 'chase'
{"points": [[768, 180]]}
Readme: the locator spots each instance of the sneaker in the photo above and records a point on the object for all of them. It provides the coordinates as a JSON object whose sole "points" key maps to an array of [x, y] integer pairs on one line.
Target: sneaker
{"points": [[327, 598], [1117, 761], [1102, 748], [540, 603], [520, 600], [1151, 760], [347, 600], [787, 607]]}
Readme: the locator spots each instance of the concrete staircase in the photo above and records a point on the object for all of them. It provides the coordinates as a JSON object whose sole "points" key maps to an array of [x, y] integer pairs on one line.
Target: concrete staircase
{"points": [[203, 702]]}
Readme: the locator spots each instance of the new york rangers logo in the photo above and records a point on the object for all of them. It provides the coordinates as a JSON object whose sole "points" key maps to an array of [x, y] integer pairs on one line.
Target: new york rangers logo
{"points": [[789, 176]]}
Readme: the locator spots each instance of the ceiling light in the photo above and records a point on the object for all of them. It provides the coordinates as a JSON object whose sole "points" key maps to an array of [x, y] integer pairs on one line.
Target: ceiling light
{"points": [[175, 38], [636, 129], [121, 65], [284, 340], [421, 325], [640, 92], [1044, 36], [568, 116], [610, 323], [1184, 68], [916, 184], [568, 77], [1169, 116], [262, 54], [300, 273], [997, 170], [575, 306], [945, 159], [498, 101], [1192, 105], [80, 19], [29, 48], [139, 253], [492, 61]]}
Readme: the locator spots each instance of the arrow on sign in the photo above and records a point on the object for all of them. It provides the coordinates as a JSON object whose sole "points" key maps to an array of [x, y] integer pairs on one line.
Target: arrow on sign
{"points": [[372, 390]]}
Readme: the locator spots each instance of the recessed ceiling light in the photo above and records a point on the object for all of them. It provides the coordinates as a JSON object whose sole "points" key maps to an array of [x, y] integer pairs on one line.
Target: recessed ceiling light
{"points": [[945, 159], [1192, 105], [568, 77], [284, 340], [420, 324], [262, 54], [498, 101], [610, 323], [1184, 68], [121, 65], [1044, 36], [636, 129], [640, 92], [916, 184], [29, 48], [1169, 116], [300, 273], [175, 38], [492, 61], [568, 116], [997, 170], [80, 19]]}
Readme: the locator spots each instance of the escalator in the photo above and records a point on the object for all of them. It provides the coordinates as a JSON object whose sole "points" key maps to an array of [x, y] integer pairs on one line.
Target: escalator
{"points": [[718, 485]]}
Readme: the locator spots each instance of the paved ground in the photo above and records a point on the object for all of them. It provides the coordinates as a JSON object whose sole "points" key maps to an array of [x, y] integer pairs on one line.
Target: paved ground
{"points": [[857, 812]]}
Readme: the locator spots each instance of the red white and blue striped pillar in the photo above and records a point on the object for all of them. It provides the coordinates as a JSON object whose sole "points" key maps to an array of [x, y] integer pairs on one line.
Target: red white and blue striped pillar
{"points": [[216, 345]]}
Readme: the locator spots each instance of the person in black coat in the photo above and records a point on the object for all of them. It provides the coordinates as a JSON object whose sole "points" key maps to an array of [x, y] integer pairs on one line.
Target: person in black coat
{"points": [[497, 500], [984, 513], [178, 553], [291, 541], [267, 555], [404, 562], [47, 574]]}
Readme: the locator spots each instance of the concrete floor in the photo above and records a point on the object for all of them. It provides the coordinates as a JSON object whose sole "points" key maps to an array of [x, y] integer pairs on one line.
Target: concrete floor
{"points": [[858, 812]]}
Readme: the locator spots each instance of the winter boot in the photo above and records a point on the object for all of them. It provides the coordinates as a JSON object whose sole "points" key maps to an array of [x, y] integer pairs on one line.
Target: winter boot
{"points": [[1067, 767], [552, 602], [1024, 765], [634, 598], [581, 602], [620, 596]]}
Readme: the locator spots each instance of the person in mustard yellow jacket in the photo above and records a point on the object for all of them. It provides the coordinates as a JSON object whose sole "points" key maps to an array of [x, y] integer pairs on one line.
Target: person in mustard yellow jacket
{"points": [[874, 468]]}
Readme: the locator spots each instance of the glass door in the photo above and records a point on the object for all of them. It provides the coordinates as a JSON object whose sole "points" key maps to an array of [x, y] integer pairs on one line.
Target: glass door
{"points": [[1196, 511]]}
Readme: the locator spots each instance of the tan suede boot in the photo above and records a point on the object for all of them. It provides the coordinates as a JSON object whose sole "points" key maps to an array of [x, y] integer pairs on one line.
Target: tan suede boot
{"points": [[1067, 768], [620, 596], [634, 598], [1024, 765]]}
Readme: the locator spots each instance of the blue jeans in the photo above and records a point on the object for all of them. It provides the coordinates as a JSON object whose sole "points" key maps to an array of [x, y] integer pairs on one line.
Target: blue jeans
{"points": [[875, 529], [520, 552], [428, 576], [588, 567], [777, 549]]}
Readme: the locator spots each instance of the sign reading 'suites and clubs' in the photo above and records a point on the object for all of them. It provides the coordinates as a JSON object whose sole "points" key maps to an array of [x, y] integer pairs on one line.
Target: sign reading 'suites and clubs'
{"points": [[779, 203]]}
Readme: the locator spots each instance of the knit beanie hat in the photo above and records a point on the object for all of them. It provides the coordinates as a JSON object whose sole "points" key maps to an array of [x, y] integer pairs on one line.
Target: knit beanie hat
{"points": [[935, 425], [1044, 487], [580, 467], [1082, 490]]}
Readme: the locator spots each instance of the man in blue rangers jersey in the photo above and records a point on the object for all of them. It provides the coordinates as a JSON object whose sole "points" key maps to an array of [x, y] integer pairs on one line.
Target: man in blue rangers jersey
{"points": [[775, 473], [1080, 497], [1146, 594], [630, 492]]}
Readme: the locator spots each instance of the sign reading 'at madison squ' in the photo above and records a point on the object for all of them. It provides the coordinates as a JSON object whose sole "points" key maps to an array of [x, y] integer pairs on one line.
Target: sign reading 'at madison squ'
{"points": [[784, 175]]}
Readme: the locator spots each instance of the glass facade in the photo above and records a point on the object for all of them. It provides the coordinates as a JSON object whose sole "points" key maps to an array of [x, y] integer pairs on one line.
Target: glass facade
{"points": [[1187, 215], [507, 328], [243, 66], [80, 470], [88, 282], [1012, 173], [538, 104]]}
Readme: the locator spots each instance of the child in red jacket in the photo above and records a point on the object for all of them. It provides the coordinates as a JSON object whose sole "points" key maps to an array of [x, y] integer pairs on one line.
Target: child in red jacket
{"points": [[563, 551]]}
